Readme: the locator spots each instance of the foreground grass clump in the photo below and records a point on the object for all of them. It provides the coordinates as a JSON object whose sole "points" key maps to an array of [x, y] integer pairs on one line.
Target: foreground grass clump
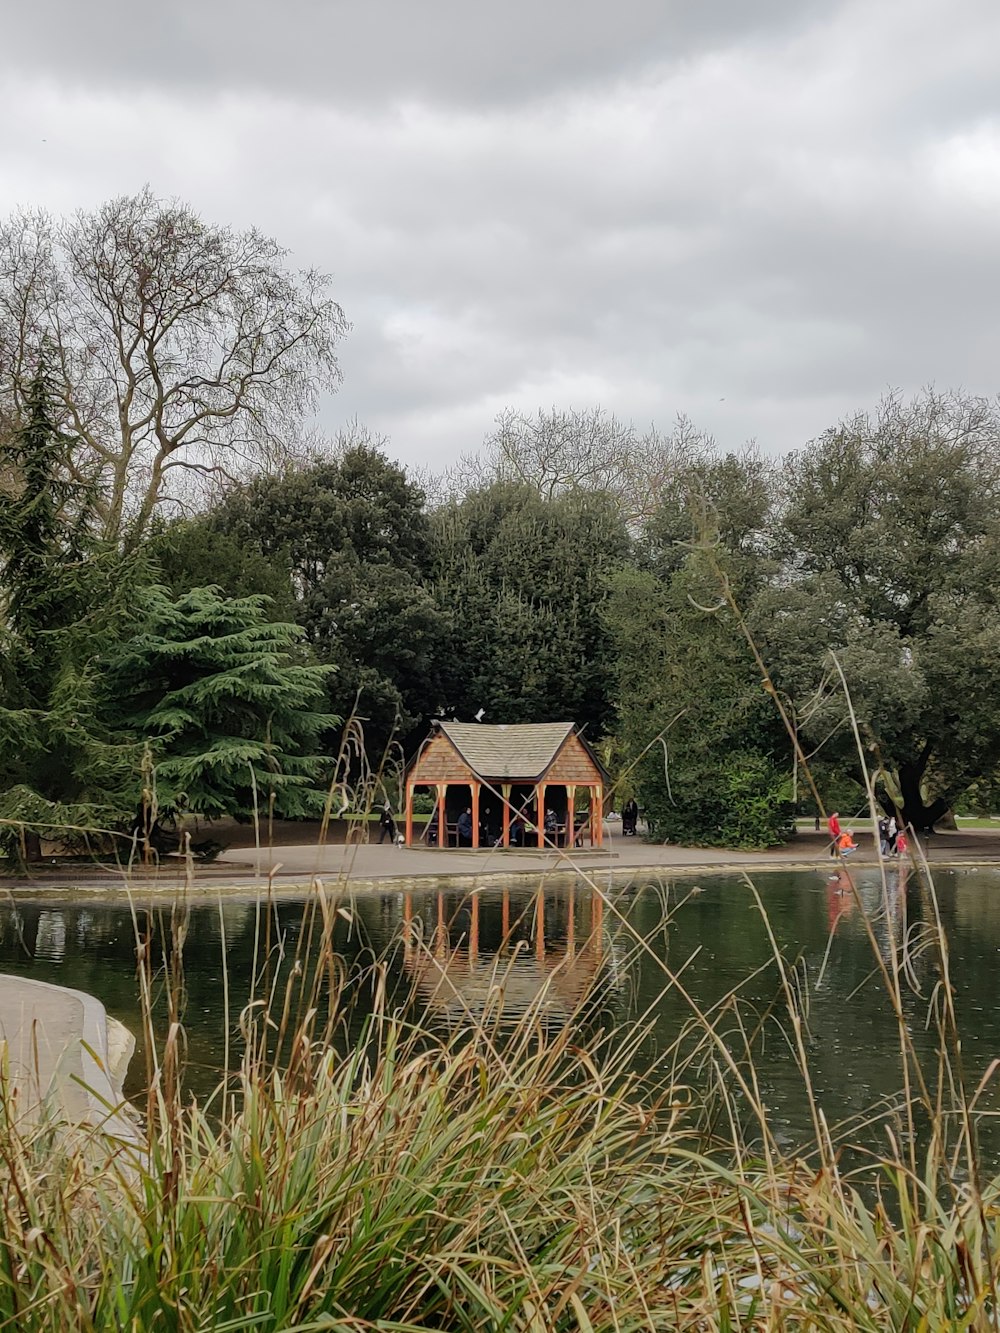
{"points": [[420, 1184]]}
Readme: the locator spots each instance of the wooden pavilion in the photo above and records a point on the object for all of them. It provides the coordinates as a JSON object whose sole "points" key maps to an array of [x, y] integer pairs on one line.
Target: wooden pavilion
{"points": [[523, 785]]}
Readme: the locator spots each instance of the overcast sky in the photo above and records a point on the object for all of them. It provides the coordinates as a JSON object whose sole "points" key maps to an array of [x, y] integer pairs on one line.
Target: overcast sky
{"points": [[760, 213]]}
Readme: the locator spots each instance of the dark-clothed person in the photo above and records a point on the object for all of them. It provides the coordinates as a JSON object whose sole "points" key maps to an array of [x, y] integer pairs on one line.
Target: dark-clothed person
{"points": [[464, 829], [387, 825]]}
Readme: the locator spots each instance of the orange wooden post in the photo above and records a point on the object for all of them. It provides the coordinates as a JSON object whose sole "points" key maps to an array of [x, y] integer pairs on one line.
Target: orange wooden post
{"points": [[599, 803], [442, 795], [475, 814], [540, 812], [409, 814], [505, 835], [571, 816], [505, 916]]}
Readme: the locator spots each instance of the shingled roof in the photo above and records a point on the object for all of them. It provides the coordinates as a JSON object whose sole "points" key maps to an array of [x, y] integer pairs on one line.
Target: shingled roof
{"points": [[523, 750]]}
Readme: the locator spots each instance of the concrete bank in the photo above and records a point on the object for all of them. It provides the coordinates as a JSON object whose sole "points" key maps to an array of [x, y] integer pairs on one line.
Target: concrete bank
{"points": [[65, 1059]]}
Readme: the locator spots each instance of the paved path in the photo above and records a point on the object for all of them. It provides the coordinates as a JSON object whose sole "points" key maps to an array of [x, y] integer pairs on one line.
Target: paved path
{"points": [[291, 864]]}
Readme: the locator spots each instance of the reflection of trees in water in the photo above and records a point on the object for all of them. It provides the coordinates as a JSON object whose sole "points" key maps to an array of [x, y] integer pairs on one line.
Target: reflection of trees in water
{"points": [[503, 955]]}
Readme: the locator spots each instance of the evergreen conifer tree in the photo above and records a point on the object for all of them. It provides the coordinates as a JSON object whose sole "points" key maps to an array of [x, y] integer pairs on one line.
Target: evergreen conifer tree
{"points": [[227, 705], [63, 596]]}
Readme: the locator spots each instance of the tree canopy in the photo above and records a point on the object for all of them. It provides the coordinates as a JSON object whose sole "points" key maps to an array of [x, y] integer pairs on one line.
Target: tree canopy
{"points": [[343, 544], [890, 539], [524, 579], [64, 595], [179, 348], [99, 667], [231, 717], [697, 735]]}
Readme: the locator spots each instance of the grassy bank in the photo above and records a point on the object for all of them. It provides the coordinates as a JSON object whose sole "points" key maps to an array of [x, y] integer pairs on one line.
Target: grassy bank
{"points": [[493, 1175]]}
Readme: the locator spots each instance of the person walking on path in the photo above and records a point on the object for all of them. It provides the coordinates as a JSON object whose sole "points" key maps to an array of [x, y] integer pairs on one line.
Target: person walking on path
{"points": [[387, 825], [893, 832], [902, 844], [630, 817], [883, 836], [833, 827]]}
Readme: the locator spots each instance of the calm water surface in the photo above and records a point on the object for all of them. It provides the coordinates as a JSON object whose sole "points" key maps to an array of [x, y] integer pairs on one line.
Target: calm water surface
{"points": [[558, 943]]}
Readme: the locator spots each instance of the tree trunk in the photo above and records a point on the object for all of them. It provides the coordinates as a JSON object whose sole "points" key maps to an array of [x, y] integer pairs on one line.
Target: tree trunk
{"points": [[920, 816]]}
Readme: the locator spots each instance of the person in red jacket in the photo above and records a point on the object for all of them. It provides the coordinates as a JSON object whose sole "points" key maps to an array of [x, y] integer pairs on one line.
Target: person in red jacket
{"points": [[833, 826]]}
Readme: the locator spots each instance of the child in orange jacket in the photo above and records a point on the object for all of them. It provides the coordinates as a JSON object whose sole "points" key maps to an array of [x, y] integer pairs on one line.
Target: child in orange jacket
{"points": [[846, 844]]}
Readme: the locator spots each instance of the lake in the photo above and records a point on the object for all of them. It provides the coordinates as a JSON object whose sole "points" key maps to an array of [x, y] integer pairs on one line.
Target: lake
{"points": [[578, 959]]}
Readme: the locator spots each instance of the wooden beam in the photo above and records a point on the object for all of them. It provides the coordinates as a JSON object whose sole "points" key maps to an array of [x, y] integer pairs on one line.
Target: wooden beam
{"points": [[540, 812], [409, 814], [442, 797], [505, 834], [475, 814]]}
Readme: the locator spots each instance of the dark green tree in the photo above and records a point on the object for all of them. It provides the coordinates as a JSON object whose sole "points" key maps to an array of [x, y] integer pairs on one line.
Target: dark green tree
{"points": [[524, 578], [890, 542], [65, 596], [232, 715], [342, 544], [698, 737], [196, 553]]}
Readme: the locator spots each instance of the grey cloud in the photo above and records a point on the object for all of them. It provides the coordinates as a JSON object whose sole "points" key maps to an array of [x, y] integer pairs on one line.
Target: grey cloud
{"points": [[345, 52], [760, 215]]}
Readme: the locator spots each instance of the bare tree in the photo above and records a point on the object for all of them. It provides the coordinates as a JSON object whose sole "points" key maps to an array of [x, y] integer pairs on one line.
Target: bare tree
{"points": [[559, 450], [178, 347]]}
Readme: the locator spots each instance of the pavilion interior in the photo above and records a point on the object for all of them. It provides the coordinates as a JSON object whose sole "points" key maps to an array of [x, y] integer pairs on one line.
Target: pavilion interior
{"points": [[521, 828]]}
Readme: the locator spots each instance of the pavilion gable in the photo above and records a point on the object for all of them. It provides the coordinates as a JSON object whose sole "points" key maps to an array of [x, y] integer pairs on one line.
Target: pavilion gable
{"points": [[574, 764], [439, 761]]}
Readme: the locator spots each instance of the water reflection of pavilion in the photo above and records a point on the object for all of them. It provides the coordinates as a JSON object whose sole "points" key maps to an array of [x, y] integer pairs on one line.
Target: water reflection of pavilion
{"points": [[484, 952]]}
